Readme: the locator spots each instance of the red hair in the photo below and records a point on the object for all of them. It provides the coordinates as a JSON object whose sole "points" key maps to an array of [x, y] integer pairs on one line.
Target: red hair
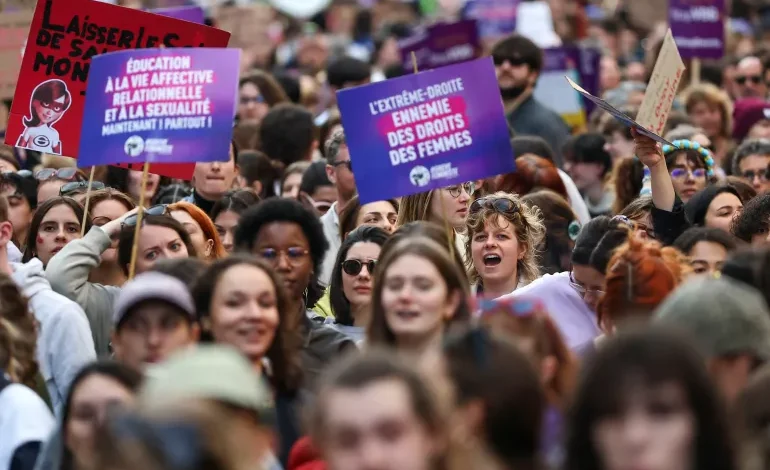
{"points": [[532, 173], [207, 227], [640, 276]]}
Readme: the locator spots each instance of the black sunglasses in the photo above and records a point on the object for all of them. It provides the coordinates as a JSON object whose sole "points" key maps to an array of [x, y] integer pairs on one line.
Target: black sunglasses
{"points": [[346, 163], [514, 61], [762, 174], [73, 187], [15, 175], [755, 79], [353, 267], [158, 209], [499, 204]]}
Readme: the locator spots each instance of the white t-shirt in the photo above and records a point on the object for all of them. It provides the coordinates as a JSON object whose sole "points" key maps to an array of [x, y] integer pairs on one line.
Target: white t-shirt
{"points": [[24, 418], [42, 138]]}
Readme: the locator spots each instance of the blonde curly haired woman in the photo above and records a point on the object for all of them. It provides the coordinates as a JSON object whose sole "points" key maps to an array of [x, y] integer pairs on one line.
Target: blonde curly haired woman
{"points": [[503, 236]]}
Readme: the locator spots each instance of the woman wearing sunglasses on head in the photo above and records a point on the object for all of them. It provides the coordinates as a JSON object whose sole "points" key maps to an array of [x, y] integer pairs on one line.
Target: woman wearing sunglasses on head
{"points": [[350, 291], [504, 235], [50, 181], [161, 237]]}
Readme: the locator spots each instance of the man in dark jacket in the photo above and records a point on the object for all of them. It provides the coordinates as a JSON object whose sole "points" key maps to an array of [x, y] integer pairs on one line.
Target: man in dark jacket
{"points": [[518, 62]]}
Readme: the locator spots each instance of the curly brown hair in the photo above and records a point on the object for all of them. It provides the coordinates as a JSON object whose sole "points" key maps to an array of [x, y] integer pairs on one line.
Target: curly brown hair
{"points": [[527, 221]]}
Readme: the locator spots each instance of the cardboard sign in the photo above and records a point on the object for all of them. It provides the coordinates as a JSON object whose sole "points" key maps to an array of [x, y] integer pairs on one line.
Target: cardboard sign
{"points": [[426, 131], [698, 27], [160, 105], [620, 116], [14, 28], [441, 44], [662, 87], [191, 14], [49, 101]]}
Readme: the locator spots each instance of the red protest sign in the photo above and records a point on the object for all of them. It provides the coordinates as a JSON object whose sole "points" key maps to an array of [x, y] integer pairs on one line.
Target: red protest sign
{"points": [[180, 171], [48, 104]]}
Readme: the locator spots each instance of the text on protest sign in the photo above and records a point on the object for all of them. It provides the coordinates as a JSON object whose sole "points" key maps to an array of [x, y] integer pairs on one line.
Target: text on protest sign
{"points": [[64, 36], [426, 131], [698, 27], [662, 87], [160, 105]]}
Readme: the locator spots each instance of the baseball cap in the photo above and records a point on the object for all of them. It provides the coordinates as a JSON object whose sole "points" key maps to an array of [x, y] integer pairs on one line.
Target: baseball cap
{"points": [[153, 286], [722, 315], [210, 372]]}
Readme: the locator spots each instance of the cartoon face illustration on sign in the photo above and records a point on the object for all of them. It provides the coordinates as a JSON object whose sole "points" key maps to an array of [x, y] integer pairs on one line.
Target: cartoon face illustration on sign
{"points": [[50, 100]]}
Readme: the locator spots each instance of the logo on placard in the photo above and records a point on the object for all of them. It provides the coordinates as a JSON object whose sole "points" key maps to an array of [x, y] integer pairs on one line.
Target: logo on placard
{"points": [[134, 146], [41, 141], [419, 176]]}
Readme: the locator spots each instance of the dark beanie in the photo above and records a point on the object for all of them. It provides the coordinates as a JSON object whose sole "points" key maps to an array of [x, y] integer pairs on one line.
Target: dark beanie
{"points": [[696, 208]]}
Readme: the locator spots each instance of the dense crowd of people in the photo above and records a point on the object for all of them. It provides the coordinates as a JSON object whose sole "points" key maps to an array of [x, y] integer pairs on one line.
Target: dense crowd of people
{"points": [[605, 306]]}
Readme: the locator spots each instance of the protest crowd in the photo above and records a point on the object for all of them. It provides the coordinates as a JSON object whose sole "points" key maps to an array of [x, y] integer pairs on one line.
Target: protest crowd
{"points": [[291, 304]]}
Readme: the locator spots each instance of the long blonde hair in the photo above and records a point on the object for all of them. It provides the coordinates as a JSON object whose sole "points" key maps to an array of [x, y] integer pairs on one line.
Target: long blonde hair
{"points": [[415, 208]]}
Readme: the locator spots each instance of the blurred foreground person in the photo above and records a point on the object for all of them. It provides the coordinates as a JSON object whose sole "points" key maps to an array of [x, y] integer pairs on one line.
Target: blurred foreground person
{"points": [[645, 401], [499, 400], [376, 412], [185, 436], [221, 379], [528, 325], [98, 389], [730, 323], [25, 420]]}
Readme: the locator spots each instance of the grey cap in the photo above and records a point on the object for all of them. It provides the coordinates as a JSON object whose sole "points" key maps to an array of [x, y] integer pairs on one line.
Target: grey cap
{"points": [[209, 372], [153, 286], [722, 315]]}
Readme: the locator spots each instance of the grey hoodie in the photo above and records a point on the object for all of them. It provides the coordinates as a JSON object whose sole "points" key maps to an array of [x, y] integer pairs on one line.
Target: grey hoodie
{"points": [[68, 273], [64, 343]]}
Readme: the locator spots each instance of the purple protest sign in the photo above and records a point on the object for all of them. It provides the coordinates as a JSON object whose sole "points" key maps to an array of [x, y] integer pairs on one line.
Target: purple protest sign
{"points": [[440, 45], [160, 106], [496, 18], [698, 27], [191, 14], [419, 44], [426, 131]]}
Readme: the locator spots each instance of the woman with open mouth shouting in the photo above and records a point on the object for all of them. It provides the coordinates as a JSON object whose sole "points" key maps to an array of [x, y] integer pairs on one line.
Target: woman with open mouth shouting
{"points": [[503, 237]]}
